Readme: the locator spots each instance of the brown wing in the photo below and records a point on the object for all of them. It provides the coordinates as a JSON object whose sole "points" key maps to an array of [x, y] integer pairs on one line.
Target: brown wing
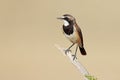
{"points": [[80, 34]]}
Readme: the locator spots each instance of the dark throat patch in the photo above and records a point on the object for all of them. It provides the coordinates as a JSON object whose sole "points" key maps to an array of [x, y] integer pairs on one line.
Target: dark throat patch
{"points": [[68, 29]]}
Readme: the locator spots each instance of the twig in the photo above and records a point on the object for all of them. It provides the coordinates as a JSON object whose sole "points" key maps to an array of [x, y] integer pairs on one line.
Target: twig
{"points": [[77, 64]]}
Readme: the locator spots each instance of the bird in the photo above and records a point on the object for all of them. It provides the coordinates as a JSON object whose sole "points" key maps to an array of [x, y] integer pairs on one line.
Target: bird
{"points": [[73, 33]]}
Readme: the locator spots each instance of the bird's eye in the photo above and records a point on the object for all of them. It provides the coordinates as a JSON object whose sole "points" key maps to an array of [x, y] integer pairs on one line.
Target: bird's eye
{"points": [[66, 18]]}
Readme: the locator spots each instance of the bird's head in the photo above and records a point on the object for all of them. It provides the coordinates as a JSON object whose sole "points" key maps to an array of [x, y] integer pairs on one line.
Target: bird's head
{"points": [[68, 19]]}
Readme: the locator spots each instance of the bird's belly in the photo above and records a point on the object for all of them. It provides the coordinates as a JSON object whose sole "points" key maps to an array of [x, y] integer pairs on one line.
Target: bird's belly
{"points": [[73, 37]]}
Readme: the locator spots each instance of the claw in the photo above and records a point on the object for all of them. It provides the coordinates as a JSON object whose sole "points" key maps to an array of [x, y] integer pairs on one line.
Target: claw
{"points": [[68, 50], [74, 57]]}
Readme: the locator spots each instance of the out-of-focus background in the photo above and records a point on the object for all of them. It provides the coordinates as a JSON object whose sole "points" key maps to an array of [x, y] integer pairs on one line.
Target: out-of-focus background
{"points": [[29, 29]]}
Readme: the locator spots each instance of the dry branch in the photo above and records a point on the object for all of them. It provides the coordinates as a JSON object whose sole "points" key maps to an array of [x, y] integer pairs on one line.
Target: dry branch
{"points": [[77, 64]]}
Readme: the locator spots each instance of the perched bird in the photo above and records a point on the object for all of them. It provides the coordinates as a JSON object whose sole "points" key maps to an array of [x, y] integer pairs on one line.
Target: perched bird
{"points": [[73, 32]]}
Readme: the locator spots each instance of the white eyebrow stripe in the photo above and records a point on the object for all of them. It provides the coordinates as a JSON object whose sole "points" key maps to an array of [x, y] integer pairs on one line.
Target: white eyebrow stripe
{"points": [[62, 17]]}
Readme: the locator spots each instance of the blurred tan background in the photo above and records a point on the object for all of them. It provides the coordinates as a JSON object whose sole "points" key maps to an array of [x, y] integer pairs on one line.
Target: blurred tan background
{"points": [[29, 29]]}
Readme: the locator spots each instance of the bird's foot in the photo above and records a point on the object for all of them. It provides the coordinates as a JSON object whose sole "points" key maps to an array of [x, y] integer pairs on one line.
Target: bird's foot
{"points": [[74, 57], [68, 50]]}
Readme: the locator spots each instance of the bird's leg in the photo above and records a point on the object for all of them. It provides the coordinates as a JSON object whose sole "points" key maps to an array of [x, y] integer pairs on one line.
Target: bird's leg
{"points": [[74, 56], [67, 50]]}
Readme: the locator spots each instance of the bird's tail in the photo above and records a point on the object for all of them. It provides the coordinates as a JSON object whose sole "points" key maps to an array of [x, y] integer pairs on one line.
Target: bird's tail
{"points": [[82, 50]]}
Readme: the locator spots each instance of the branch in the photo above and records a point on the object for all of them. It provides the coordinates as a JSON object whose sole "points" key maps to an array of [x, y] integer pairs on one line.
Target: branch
{"points": [[77, 64]]}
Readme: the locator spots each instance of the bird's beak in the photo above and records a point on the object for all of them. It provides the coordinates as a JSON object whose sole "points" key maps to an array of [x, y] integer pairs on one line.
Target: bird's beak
{"points": [[60, 18]]}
